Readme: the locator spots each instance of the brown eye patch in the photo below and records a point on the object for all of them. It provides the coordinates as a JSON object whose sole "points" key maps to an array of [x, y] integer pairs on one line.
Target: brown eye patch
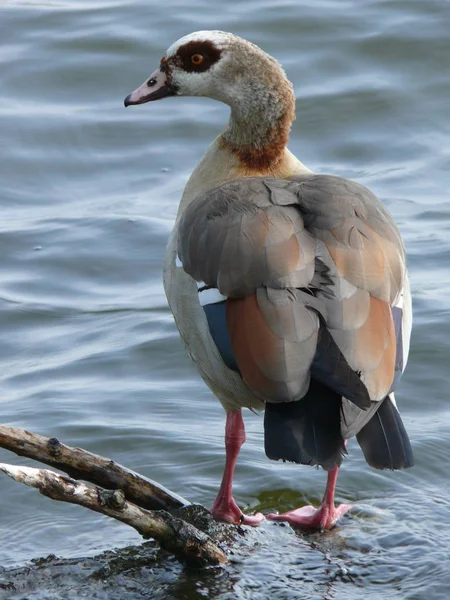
{"points": [[196, 57]]}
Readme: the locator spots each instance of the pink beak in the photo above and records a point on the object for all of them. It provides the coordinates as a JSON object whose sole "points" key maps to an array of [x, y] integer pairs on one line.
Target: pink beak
{"points": [[154, 88]]}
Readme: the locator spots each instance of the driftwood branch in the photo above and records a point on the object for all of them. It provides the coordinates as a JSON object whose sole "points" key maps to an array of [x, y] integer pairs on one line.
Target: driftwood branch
{"points": [[117, 492], [174, 534], [80, 464]]}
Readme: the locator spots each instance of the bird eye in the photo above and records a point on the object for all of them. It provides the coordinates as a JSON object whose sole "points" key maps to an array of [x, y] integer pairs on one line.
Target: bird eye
{"points": [[197, 59]]}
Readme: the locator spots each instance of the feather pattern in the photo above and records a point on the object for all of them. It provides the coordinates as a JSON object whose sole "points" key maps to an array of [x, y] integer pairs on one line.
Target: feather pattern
{"points": [[313, 269], [307, 431], [384, 440]]}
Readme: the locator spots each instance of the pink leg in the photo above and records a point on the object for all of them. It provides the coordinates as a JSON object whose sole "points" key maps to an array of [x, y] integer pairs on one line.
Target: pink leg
{"points": [[225, 507], [324, 517]]}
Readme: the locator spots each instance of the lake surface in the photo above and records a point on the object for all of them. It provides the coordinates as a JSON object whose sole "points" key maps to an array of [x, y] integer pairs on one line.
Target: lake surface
{"points": [[89, 352]]}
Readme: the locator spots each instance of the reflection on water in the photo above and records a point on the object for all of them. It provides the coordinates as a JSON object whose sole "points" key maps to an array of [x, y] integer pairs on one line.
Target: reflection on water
{"points": [[89, 351]]}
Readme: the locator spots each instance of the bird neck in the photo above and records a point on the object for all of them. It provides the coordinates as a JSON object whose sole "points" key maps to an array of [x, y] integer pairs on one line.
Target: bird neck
{"points": [[260, 121], [219, 165]]}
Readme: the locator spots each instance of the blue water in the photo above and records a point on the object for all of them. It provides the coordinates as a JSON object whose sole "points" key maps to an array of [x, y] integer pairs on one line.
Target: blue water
{"points": [[89, 351]]}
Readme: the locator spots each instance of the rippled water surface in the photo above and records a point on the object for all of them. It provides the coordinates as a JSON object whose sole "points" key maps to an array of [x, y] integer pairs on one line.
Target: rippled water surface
{"points": [[89, 352]]}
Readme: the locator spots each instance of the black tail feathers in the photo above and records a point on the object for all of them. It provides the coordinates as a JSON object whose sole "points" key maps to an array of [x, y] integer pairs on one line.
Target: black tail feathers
{"points": [[307, 431], [384, 440]]}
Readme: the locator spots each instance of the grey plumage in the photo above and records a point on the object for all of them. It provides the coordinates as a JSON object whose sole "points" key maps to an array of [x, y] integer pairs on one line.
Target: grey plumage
{"points": [[294, 256]]}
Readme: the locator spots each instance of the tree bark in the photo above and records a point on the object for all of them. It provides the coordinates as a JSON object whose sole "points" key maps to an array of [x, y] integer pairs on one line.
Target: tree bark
{"points": [[117, 492], [81, 464], [182, 539]]}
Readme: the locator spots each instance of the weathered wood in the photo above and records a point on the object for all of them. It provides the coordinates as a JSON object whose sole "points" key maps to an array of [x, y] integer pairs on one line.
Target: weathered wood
{"points": [[80, 464], [189, 544]]}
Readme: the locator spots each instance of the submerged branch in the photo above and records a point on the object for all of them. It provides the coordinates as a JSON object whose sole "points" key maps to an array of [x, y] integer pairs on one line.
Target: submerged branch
{"points": [[175, 535]]}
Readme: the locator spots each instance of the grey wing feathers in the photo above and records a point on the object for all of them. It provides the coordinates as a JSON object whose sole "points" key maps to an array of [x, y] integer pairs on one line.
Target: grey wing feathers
{"points": [[258, 254], [234, 238], [290, 254]]}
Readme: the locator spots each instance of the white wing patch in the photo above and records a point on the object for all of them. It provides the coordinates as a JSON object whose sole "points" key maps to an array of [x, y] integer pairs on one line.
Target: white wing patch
{"points": [[208, 295], [178, 262], [404, 302]]}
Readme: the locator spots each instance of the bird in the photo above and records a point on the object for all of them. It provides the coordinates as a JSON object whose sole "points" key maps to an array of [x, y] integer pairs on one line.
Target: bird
{"points": [[289, 287]]}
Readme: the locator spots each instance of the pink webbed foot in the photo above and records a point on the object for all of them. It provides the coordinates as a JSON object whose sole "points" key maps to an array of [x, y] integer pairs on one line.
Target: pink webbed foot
{"points": [[324, 517], [312, 519], [229, 512]]}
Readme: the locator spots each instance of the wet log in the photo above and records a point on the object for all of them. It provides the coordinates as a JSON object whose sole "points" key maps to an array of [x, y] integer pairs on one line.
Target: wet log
{"points": [[189, 544], [81, 464]]}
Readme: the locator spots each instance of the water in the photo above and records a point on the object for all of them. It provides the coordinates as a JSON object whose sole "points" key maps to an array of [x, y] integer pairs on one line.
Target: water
{"points": [[89, 352]]}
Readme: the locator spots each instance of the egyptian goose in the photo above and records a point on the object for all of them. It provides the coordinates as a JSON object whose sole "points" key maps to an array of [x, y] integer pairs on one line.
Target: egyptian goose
{"points": [[289, 288]]}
